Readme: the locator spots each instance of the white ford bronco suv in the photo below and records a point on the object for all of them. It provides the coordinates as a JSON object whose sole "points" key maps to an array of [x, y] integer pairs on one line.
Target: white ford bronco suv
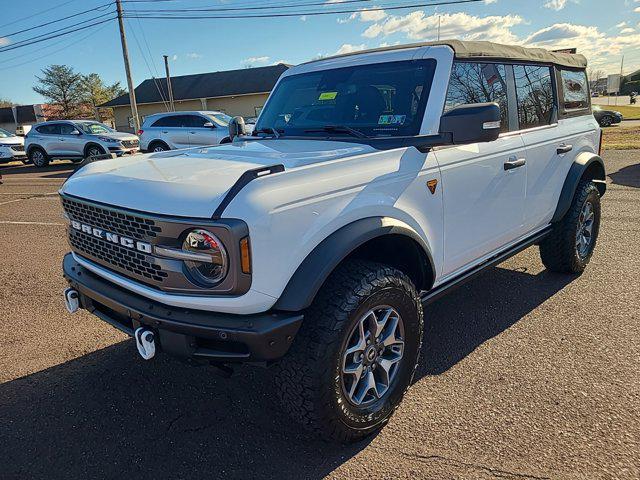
{"points": [[372, 184]]}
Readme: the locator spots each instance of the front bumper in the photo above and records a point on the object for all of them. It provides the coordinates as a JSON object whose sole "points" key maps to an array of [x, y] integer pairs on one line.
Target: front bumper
{"points": [[193, 334], [120, 151]]}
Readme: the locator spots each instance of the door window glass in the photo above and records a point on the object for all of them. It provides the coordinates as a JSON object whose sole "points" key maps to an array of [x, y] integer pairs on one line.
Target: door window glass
{"points": [[534, 90], [196, 121], [51, 129], [66, 129], [575, 93], [478, 83], [172, 121]]}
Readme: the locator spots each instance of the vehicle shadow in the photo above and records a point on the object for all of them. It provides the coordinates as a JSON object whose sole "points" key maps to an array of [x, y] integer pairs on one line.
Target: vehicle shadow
{"points": [[460, 322], [54, 170], [108, 414], [627, 176]]}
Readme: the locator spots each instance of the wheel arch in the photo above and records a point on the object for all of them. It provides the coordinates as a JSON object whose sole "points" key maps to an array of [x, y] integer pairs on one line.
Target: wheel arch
{"points": [[382, 239], [586, 165], [156, 141], [34, 145], [88, 145]]}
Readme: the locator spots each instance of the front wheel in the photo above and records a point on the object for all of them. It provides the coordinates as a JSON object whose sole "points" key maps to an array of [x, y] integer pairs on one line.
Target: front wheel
{"points": [[355, 354], [570, 245], [94, 151], [606, 121]]}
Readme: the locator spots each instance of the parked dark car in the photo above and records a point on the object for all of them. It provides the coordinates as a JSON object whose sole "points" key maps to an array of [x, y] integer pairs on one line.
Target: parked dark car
{"points": [[606, 118]]}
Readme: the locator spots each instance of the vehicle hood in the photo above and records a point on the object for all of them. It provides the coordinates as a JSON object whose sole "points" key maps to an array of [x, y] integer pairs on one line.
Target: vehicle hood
{"points": [[13, 140], [118, 136], [193, 182]]}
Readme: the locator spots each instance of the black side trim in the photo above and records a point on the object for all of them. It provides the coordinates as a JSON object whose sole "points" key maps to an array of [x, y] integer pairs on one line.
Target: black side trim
{"points": [[463, 278], [314, 270], [582, 163], [244, 179]]}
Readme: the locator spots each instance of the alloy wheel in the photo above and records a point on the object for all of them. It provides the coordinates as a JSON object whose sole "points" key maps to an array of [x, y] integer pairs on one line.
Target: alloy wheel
{"points": [[372, 355], [584, 234]]}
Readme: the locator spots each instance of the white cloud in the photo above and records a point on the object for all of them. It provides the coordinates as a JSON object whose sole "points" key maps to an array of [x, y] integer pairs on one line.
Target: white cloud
{"points": [[348, 48], [4, 41], [627, 30], [252, 60], [303, 18], [174, 58], [487, 2], [621, 24], [418, 26], [194, 55], [277, 62], [555, 4]]}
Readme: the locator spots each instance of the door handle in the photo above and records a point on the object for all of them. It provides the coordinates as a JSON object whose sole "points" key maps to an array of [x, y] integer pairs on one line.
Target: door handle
{"points": [[564, 148], [192, 133], [514, 163], [165, 132]]}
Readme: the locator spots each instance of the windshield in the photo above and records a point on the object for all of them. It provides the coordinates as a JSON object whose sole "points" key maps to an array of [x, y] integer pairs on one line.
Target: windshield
{"points": [[5, 134], [219, 119], [95, 128], [385, 99]]}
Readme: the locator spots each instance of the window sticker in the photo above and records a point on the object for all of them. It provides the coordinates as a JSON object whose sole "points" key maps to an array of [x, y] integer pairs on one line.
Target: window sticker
{"points": [[328, 96], [392, 119]]}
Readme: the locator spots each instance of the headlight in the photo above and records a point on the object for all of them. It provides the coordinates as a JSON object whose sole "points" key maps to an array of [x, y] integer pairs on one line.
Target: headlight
{"points": [[108, 140], [213, 268]]}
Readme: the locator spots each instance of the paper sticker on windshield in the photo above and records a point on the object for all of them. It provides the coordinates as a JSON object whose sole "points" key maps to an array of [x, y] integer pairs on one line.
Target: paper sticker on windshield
{"points": [[328, 96], [392, 119]]}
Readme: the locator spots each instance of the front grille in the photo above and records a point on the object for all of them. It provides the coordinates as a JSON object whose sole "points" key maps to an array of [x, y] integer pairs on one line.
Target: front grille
{"points": [[17, 148], [130, 143], [128, 225], [115, 255], [124, 260]]}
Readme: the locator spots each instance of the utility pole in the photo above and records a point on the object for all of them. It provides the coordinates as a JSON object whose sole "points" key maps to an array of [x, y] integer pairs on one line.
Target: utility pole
{"points": [[169, 87], [127, 68], [438, 27]]}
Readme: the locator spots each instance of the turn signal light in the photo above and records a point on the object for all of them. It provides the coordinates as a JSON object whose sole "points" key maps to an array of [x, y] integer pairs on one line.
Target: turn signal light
{"points": [[245, 255]]}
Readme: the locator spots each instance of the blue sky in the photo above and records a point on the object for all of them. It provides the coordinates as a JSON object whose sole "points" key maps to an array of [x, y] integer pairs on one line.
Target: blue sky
{"points": [[602, 30]]}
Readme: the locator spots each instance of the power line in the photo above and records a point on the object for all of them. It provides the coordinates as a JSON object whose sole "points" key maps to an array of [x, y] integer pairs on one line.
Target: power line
{"points": [[36, 14], [44, 38], [56, 21], [166, 13], [262, 7]]}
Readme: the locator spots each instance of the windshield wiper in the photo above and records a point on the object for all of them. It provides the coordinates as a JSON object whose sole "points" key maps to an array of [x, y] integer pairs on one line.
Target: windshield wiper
{"points": [[268, 131], [338, 129]]}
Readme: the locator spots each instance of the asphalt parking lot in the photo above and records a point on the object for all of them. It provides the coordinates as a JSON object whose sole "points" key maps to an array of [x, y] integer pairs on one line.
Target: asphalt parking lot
{"points": [[525, 374]]}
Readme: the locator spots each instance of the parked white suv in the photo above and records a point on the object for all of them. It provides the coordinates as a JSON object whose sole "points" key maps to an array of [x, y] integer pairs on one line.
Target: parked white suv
{"points": [[11, 147], [173, 130], [76, 140], [373, 184]]}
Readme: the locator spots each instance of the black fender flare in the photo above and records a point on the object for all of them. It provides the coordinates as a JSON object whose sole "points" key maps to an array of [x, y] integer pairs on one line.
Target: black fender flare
{"points": [[327, 255], [585, 163]]}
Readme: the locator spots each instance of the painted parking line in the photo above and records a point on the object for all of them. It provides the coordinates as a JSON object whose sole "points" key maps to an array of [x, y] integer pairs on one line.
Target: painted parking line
{"points": [[9, 222]]}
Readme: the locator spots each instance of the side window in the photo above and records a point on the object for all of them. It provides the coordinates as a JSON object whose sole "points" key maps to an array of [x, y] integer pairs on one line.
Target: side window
{"points": [[51, 129], [66, 129], [169, 121], [479, 83], [575, 94], [196, 121], [534, 91]]}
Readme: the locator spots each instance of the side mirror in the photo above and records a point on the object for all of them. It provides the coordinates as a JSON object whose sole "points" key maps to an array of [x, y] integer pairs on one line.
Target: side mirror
{"points": [[237, 127], [472, 123], [75, 132], [209, 125]]}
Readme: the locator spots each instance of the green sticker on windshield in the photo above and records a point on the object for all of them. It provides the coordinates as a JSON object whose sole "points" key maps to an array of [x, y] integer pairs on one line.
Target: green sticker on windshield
{"points": [[328, 96]]}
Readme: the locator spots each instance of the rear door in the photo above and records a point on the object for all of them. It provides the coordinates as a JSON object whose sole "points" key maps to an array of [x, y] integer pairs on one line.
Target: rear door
{"points": [[551, 144], [49, 139], [483, 184]]}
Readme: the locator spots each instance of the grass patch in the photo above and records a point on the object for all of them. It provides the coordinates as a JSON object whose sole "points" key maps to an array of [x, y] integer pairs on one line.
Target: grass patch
{"points": [[621, 138]]}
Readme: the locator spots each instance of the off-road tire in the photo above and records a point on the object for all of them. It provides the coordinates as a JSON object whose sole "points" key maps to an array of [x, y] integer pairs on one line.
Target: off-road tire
{"points": [[558, 251], [39, 161], [308, 377]]}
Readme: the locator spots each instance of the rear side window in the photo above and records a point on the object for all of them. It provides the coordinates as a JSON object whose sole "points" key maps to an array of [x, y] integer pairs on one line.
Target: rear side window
{"points": [[51, 129], [66, 129], [479, 83], [534, 91], [575, 94], [172, 121]]}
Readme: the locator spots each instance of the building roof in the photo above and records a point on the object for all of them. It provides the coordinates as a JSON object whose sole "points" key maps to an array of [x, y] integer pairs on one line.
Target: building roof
{"points": [[206, 85], [491, 51]]}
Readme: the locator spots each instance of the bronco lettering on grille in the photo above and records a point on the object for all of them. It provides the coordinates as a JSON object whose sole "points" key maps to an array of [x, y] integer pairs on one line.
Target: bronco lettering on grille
{"points": [[112, 237]]}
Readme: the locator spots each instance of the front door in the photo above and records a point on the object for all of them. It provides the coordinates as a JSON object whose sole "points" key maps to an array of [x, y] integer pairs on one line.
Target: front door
{"points": [[483, 187], [199, 135]]}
